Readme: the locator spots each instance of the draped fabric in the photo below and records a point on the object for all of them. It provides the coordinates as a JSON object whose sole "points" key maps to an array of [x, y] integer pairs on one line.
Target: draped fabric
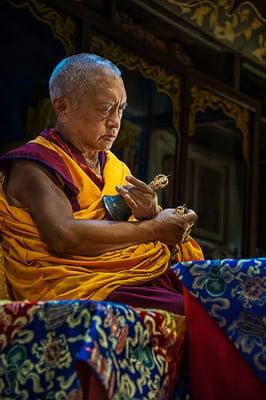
{"points": [[46, 346], [34, 273], [225, 303]]}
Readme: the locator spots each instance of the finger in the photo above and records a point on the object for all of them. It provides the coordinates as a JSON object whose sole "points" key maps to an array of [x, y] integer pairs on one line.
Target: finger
{"points": [[124, 188], [136, 194], [190, 217], [142, 186], [130, 202]]}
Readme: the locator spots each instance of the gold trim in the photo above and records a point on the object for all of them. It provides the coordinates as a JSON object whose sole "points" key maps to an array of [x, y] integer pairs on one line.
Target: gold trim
{"points": [[128, 24], [62, 25], [202, 98], [165, 83], [240, 26]]}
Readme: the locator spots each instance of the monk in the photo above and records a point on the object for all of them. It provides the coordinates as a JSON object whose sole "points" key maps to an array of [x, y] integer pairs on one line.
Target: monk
{"points": [[59, 242]]}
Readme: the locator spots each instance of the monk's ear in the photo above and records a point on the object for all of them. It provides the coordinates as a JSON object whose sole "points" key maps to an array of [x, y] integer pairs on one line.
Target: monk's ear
{"points": [[61, 107]]}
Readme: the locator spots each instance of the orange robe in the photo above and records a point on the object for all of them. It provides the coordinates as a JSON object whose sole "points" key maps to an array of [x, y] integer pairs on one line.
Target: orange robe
{"points": [[35, 273]]}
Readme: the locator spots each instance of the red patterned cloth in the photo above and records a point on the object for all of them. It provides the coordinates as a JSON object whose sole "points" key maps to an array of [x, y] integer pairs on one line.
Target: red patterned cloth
{"points": [[217, 369], [225, 310]]}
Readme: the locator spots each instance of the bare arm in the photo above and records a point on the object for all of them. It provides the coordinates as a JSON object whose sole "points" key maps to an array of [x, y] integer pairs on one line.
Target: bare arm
{"points": [[34, 187]]}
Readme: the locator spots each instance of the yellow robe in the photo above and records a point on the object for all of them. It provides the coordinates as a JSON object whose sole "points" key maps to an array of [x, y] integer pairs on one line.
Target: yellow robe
{"points": [[35, 273]]}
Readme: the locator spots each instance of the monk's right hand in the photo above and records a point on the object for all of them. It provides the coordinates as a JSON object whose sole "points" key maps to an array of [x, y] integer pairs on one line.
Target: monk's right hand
{"points": [[171, 228]]}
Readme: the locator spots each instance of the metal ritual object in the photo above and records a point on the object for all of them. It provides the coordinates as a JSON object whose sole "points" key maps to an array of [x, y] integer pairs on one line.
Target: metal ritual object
{"points": [[181, 210], [116, 206]]}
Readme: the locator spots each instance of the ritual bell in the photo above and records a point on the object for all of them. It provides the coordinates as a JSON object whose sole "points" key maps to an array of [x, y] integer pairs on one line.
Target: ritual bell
{"points": [[116, 206]]}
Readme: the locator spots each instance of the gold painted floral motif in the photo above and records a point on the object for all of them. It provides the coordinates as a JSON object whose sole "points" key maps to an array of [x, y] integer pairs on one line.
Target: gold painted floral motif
{"points": [[62, 26], [242, 27]]}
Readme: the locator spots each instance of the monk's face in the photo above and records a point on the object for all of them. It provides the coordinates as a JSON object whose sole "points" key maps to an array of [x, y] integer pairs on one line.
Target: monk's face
{"points": [[94, 123]]}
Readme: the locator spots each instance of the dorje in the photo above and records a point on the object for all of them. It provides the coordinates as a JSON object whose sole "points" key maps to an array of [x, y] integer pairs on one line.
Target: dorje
{"points": [[181, 210], [159, 182]]}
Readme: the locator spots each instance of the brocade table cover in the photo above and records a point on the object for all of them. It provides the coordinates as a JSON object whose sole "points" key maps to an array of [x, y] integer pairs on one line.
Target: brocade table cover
{"points": [[138, 353], [134, 352], [233, 292]]}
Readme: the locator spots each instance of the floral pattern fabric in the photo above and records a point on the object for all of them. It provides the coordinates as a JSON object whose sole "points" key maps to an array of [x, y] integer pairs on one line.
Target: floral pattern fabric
{"points": [[233, 292], [137, 354]]}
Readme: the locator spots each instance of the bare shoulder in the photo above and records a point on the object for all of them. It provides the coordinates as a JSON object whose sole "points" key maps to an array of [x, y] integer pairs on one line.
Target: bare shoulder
{"points": [[28, 180], [35, 188]]}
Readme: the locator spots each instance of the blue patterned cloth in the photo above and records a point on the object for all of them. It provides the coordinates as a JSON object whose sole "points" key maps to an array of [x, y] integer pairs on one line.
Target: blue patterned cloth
{"points": [[136, 353], [233, 292], [133, 351]]}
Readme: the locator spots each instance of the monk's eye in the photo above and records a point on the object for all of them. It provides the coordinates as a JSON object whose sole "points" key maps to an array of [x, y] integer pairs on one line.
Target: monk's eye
{"points": [[120, 110], [105, 109]]}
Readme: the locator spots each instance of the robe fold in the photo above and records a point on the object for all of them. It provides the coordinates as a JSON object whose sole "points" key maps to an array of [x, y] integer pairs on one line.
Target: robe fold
{"points": [[35, 273]]}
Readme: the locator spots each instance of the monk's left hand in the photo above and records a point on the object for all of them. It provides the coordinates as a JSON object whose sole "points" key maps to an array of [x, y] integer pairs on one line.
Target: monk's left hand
{"points": [[140, 198]]}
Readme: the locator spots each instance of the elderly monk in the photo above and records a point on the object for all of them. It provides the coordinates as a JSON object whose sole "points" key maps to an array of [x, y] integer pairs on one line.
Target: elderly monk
{"points": [[59, 242]]}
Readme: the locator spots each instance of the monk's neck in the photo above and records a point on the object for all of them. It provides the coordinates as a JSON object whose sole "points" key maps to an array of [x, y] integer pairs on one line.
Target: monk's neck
{"points": [[90, 155]]}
